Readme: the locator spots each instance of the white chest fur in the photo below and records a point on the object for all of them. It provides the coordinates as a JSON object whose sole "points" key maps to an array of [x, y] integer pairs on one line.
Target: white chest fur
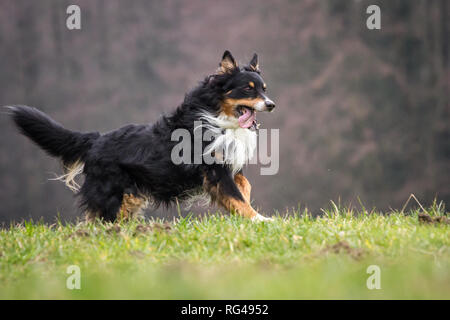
{"points": [[233, 145]]}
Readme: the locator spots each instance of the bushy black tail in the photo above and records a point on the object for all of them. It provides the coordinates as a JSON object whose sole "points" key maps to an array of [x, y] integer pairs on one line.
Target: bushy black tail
{"points": [[57, 141]]}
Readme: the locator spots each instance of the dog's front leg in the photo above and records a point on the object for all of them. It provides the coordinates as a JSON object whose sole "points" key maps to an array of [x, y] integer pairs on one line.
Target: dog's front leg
{"points": [[244, 186], [231, 193]]}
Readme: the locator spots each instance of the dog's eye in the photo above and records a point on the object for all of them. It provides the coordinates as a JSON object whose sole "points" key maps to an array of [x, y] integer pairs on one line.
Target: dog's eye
{"points": [[248, 88]]}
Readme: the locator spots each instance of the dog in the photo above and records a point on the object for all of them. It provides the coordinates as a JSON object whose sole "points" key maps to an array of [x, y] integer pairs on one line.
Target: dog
{"points": [[127, 169]]}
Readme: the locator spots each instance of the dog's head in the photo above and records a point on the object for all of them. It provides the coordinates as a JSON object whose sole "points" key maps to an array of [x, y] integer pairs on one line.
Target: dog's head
{"points": [[243, 91]]}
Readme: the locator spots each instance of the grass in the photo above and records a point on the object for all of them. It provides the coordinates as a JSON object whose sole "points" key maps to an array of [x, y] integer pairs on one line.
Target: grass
{"points": [[223, 257]]}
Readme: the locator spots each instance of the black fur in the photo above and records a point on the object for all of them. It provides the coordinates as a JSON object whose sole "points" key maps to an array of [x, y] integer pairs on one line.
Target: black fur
{"points": [[136, 159]]}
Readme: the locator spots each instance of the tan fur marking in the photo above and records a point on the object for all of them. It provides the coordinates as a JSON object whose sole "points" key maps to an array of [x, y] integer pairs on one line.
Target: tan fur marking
{"points": [[231, 204], [240, 207], [132, 206], [90, 216], [227, 108], [243, 185], [251, 84], [229, 104]]}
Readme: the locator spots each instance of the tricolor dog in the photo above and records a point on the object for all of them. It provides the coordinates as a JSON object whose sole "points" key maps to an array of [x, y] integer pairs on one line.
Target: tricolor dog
{"points": [[128, 168]]}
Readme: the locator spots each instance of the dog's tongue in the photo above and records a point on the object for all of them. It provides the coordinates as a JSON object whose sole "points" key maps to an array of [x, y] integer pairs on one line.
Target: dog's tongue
{"points": [[246, 120]]}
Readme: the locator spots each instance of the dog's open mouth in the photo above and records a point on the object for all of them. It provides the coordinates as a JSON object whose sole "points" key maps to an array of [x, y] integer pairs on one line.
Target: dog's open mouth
{"points": [[247, 117]]}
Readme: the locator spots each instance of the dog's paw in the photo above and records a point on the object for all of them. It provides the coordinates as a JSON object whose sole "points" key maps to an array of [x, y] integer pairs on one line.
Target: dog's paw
{"points": [[259, 217]]}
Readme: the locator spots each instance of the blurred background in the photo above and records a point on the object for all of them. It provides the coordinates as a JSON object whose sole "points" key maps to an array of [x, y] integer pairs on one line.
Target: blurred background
{"points": [[362, 113]]}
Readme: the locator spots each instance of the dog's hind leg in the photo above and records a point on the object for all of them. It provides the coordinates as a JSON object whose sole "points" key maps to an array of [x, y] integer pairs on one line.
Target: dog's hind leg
{"points": [[107, 211], [132, 206], [101, 199]]}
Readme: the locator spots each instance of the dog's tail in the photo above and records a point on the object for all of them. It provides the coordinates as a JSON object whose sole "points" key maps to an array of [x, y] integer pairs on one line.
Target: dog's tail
{"points": [[70, 146]]}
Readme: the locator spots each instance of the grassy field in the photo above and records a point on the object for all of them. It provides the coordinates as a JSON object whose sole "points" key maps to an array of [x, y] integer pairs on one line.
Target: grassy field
{"points": [[217, 257]]}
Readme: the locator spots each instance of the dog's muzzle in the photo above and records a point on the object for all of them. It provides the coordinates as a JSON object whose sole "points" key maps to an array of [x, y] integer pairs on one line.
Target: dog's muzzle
{"points": [[265, 105]]}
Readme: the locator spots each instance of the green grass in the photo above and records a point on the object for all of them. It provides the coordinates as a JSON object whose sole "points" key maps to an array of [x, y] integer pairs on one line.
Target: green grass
{"points": [[217, 257]]}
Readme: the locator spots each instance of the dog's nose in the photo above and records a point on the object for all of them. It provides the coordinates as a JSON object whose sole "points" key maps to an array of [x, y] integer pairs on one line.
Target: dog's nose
{"points": [[270, 105]]}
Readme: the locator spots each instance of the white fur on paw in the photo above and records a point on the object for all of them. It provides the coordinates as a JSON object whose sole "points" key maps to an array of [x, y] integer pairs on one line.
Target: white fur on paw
{"points": [[259, 217]]}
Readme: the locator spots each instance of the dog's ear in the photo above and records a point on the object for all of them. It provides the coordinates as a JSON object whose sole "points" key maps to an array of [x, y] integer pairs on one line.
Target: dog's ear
{"points": [[228, 63], [254, 65]]}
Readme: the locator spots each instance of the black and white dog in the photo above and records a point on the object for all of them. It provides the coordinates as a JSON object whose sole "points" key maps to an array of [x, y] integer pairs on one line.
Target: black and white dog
{"points": [[127, 168]]}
